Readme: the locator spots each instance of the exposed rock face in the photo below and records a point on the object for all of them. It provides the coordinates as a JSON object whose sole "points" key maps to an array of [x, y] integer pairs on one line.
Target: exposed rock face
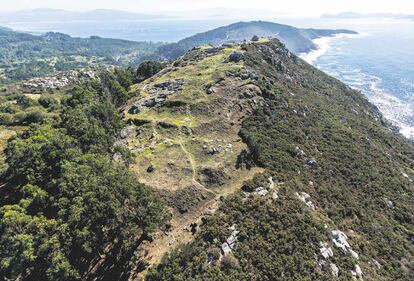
{"points": [[230, 243], [326, 251], [340, 240], [58, 81]]}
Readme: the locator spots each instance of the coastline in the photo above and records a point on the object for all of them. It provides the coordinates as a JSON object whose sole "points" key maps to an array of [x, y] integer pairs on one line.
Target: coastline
{"points": [[323, 45], [395, 110]]}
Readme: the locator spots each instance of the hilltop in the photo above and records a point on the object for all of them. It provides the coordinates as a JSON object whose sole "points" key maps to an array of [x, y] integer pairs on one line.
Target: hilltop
{"points": [[297, 40], [272, 169]]}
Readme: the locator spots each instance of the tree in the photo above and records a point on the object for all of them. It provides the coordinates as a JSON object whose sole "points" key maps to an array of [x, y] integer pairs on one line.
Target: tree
{"points": [[148, 69]]}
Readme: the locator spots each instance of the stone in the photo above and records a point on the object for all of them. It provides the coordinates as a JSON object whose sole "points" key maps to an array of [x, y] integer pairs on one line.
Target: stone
{"points": [[299, 152], [311, 162], [334, 269], [376, 263], [235, 57], [134, 110], [255, 38], [261, 191], [271, 183], [358, 271], [150, 103], [225, 248], [253, 76], [354, 254], [305, 198], [230, 243], [326, 251], [340, 241], [210, 91]]}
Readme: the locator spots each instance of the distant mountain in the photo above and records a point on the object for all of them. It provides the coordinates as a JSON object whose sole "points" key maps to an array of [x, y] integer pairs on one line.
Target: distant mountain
{"points": [[45, 15], [296, 39], [354, 15]]}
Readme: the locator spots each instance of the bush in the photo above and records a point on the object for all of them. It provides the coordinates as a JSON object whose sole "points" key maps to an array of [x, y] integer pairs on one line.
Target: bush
{"points": [[25, 102], [6, 119], [230, 262], [148, 69], [48, 102]]}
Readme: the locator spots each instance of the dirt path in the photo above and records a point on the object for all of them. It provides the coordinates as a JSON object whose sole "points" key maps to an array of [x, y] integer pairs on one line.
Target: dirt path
{"points": [[181, 229]]}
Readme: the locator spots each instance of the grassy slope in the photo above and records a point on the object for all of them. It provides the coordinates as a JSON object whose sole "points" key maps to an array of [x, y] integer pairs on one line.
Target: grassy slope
{"points": [[362, 166]]}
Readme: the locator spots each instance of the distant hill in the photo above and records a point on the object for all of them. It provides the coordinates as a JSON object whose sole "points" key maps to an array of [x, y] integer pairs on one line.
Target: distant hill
{"points": [[354, 15], [44, 15], [296, 39], [24, 56]]}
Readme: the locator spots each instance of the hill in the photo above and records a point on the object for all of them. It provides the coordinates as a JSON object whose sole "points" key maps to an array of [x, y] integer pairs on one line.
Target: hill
{"points": [[354, 15], [327, 183], [24, 55], [237, 162], [296, 39]]}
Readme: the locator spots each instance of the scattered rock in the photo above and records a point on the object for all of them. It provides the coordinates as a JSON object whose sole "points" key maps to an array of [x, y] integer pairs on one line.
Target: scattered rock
{"points": [[340, 240], [354, 254], [271, 183], [134, 110], [210, 91], [150, 103], [235, 57], [357, 272], [312, 162], [334, 269], [253, 76], [255, 38], [304, 197], [326, 251], [230, 243], [261, 191], [376, 263], [299, 152]]}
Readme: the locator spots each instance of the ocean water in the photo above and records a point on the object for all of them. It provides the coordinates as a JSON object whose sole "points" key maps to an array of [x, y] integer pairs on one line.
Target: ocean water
{"points": [[168, 30], [379, 62]]}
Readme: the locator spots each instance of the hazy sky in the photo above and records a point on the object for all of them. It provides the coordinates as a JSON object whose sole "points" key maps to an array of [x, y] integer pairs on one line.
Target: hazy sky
{"points": [[293, 7]]}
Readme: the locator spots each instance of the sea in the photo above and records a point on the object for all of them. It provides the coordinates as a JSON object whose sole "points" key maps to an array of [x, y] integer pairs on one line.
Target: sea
{"points": [[379, 61]]}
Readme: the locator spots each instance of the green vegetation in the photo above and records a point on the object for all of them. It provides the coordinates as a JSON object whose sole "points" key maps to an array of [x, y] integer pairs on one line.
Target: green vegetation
{"points": [[360, 182], [68, 210], [23, 56]]}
